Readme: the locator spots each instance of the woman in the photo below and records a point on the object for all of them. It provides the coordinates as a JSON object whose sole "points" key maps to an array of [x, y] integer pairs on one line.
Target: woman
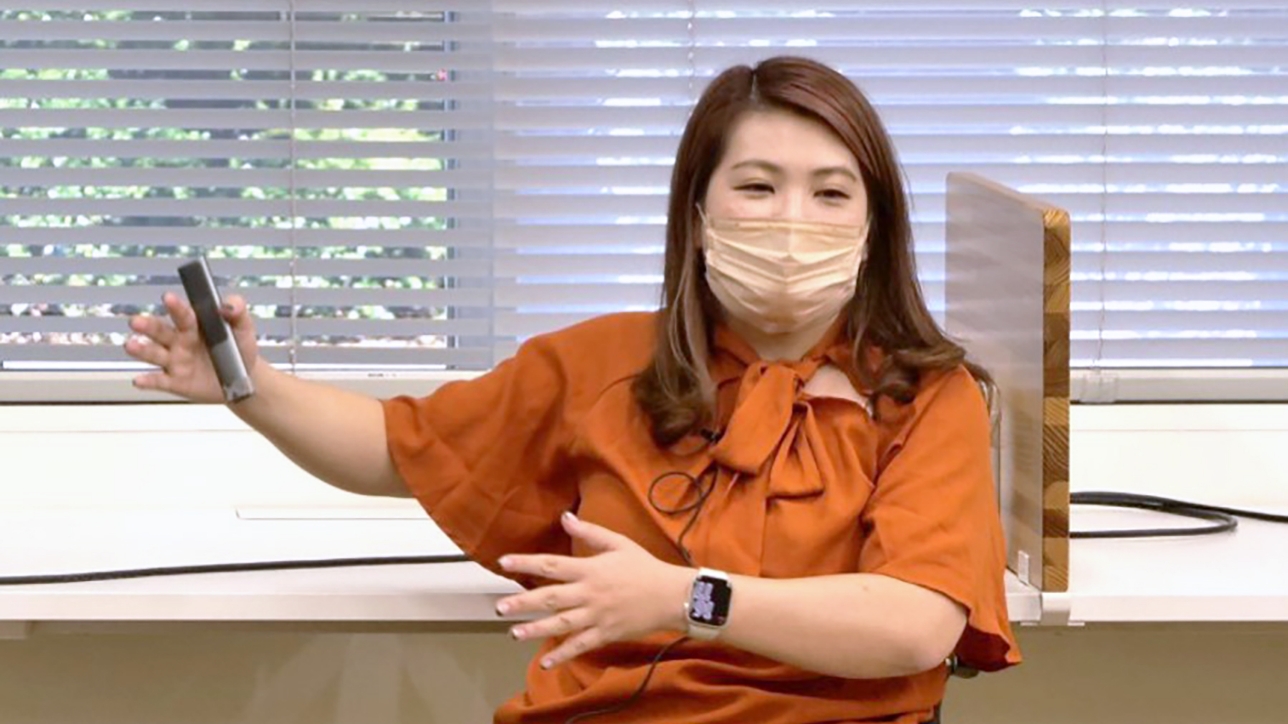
{"points": [[770, 501]]}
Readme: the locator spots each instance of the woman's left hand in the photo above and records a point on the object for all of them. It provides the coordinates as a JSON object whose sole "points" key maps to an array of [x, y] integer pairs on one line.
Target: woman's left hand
{"points": [[622, 592]]}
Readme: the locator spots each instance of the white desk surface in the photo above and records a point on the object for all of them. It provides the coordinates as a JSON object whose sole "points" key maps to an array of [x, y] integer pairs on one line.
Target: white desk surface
{"points": [[51, 541], [1240, 576], [1237, 576]]}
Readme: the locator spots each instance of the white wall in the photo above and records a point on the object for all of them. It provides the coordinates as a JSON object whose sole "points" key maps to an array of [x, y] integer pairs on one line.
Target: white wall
{"points": [[184, 456], [1234, 455]]}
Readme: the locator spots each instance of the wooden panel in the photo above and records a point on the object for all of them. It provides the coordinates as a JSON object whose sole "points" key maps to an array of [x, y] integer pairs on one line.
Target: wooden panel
{"points": [[1007, 300]]}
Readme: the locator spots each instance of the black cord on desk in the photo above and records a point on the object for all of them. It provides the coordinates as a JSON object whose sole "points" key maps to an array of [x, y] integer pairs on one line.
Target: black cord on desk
{"points": [[48, 578], [1221, 519]]}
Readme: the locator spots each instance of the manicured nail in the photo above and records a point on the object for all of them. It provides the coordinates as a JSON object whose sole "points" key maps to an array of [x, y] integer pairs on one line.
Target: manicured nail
{"points": [[516, 633], [547, 663], [570, 517], [505, 562], [502, 609]]}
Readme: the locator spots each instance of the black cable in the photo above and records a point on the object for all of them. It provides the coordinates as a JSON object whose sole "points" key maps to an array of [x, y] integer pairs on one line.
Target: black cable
{"points": [[704, 492], [639, 690], [48, 578], [695, 508], [1222, 519]]}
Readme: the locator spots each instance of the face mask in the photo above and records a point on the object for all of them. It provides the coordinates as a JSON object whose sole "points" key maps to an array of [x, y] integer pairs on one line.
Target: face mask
{"points": [[782, 276]]}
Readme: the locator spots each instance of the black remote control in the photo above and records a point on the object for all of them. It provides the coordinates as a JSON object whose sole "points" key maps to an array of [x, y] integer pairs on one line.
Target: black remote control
{"points": [[199, 285]]}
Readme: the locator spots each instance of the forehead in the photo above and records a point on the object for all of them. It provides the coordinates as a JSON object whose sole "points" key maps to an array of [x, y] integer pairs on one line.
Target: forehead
{"points": [[787, 140]]}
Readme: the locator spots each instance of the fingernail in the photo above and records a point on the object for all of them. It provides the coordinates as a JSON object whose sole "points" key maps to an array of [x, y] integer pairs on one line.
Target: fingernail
{"points": [[502, 609], [505, 562], [547, 663], [516, 633], [570, 516]]}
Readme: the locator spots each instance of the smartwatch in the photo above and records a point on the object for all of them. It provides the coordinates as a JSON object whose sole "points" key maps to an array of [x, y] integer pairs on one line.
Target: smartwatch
{"points": [[707, 609]]}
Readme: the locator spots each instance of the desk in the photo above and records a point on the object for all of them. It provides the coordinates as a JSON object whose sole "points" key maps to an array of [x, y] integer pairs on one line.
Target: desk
{"points": [[62, 541], [1227, 577], [1240, 576]]}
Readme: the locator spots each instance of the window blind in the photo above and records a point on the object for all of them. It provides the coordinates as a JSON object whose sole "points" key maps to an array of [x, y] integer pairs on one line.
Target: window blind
{"points": [[431, 183], [331, 158]]}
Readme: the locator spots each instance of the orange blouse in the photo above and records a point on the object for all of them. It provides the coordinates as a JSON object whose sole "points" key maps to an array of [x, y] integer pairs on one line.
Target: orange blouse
{"points": [[804, 486]]}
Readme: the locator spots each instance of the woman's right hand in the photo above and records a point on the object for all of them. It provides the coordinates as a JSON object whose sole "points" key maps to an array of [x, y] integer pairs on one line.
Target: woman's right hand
{"points": [[175, 347]]}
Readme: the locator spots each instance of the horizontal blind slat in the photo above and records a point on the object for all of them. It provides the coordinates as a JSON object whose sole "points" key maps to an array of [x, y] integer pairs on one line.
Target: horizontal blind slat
{"points": [[247, 149], [523, 7], [266, 295], [239, 120], [244, 178], [231, 208], [226, 268], [243, 90], [1186, 352], [269, 327], [270, 238], [274, 28]]}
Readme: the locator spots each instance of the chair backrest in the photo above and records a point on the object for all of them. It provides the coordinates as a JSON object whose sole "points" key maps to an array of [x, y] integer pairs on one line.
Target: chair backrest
{"points": [[1007, 301]]}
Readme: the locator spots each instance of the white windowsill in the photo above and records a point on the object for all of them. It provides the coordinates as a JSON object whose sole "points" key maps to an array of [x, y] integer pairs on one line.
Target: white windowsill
{"points": [[1086, 386]]}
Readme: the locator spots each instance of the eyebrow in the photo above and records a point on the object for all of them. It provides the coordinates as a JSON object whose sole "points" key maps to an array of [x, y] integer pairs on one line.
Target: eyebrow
{"points": [[776, 169]]}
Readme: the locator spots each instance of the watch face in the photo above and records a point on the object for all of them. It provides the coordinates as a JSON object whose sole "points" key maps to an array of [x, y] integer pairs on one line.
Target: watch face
{"points": [[709, 603]]}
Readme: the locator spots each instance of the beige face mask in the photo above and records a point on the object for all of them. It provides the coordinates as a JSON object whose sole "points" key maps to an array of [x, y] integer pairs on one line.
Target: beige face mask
{"points": [[782, 276]]}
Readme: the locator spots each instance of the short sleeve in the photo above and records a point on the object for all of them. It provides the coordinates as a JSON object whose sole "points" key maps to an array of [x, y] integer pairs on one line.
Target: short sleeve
{"points": [[933, 519], [487, 458]]}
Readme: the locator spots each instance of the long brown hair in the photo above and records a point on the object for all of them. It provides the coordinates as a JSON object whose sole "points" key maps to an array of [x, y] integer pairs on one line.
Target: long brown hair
{"points": [[887, 314]]}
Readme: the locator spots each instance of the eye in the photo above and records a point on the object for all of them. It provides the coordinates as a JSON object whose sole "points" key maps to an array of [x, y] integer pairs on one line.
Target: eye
{"points": [[834, 194], [755, 187]]}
